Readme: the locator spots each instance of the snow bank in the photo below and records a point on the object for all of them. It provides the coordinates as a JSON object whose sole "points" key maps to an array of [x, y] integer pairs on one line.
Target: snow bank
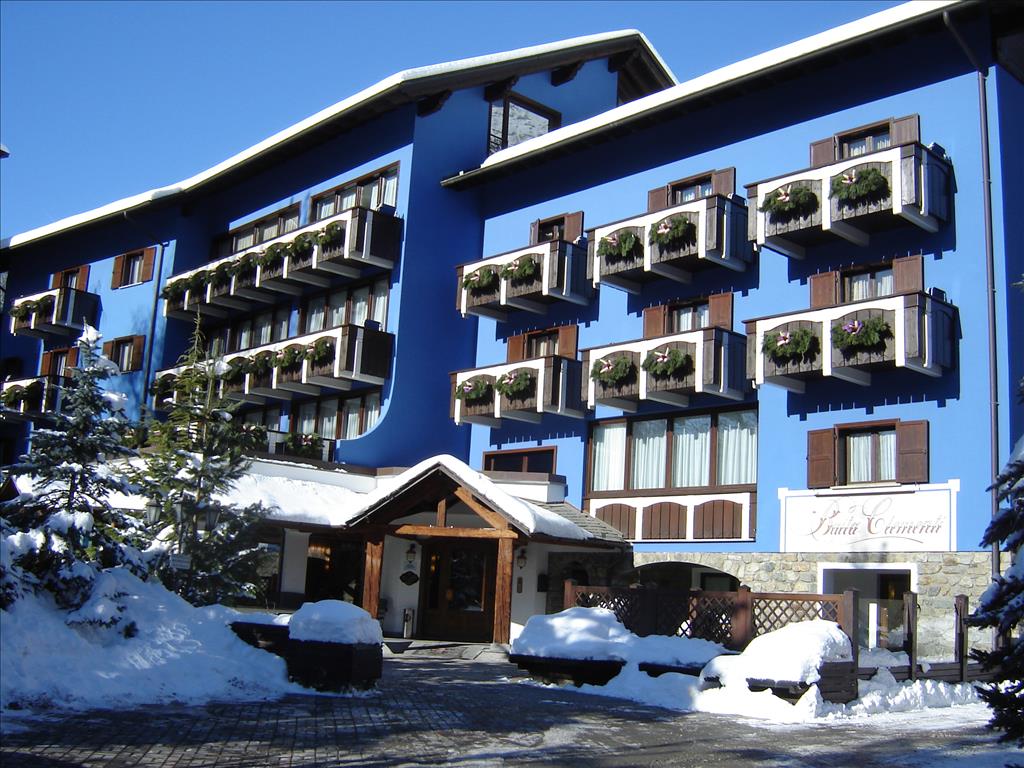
{"points": [[133, 643], [334, 621]]}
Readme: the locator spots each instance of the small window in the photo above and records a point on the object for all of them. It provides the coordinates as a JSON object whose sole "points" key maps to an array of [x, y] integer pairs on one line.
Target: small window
{"points": [[541, 344], [868, 285], [125, 353], [373, 191], [132, 268], [515, 119], [58, 363], [870, 455], [521, 460], [244, 239], [689, 191], [859, 144], [551, 230], [688, 317]]}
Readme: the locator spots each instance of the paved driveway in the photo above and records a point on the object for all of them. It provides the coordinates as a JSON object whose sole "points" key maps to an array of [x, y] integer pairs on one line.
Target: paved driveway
{"points": [[453, 712]]}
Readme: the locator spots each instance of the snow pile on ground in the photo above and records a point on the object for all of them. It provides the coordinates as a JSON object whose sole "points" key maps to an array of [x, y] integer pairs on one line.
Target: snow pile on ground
{"points": [[133, 643], [595, 633], [334, 621], [791, 654]]}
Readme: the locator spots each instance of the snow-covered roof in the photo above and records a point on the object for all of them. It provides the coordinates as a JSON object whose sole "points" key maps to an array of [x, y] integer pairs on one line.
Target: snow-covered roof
{"points": [[696, 87], [403, 86]]}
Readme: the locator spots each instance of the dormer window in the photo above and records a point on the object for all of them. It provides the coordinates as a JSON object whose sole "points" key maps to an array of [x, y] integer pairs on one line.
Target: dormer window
{"points": [[687, 192], [855, 145], [515, 118], [871, 284], [550, 230], [688, 317]]}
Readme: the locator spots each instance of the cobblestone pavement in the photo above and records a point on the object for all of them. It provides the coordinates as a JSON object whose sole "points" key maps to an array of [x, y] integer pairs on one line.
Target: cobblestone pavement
{"points": [[451, 712]]}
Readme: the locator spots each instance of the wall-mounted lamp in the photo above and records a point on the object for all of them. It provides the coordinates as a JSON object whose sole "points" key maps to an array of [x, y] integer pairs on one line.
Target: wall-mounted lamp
{"points": [[521, 559], [153, 510], [410, 554]]}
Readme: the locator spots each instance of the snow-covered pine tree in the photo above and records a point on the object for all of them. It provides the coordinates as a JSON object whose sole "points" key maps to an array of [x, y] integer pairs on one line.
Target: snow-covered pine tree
{"points": [[58, 536], [195, 457]]}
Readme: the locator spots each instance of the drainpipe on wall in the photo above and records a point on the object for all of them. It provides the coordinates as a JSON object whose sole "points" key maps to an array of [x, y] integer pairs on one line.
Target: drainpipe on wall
{"points": [[990, 270]]}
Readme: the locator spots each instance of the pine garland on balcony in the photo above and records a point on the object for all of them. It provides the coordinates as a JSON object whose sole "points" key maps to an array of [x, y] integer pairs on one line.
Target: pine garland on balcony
{"points": [[789, 201], [262, 363], [222, 274], [483, 279], [236, 371], [13, 396], [853, 335], [613, 370], [174, 291], [244, 264], [290, 356], [516, 384], [320, 351], [621, 244], [786, 346], [474, 390], [673, 233], [853, 187], [44, 306], [23, 310], [302, 445], [273, 256], [667, 362], [302, 245], [162, 388], [333, 234], [523, 268]]}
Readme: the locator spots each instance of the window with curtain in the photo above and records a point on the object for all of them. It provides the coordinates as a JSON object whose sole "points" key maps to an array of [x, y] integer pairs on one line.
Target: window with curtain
{"points": [[350, 418], [691, 451], [649, 452], [281, 318], [689, 317], [262, 328], [336, 308], [737, 448], [380, 304], [869, 285], [608, 457], [328, 419], [316, 314], [360, 305], [371, 411], [871, 456], [306, 423], [687, 193]]}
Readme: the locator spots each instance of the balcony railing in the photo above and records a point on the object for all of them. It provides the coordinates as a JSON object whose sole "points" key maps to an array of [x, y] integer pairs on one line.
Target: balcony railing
{"points": [[916, 190], [677, 515], [333, 359], [32, 398], [713, 235], [558, 274], [707, 361], [57, 312], [552, 385], [914, 331], [341, 245]]}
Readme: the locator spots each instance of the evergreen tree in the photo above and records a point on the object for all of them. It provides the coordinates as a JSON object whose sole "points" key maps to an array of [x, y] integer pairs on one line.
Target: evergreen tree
{"points": [[195, 457], [61, 534]]}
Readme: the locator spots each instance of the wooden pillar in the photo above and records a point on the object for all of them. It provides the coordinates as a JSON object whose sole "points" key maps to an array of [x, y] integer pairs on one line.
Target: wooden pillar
{"points": [[503, 591], [742, 619], [910, 630], [851, 621], [442, 513], [568, 594], [371, 573], [961, 609]]}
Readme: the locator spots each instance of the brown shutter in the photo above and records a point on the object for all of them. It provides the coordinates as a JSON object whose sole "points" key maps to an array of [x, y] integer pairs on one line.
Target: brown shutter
{"points": [[138, 344], [821, 458], [908, 274], [824, 289], [46, 364], [148, 257], [516, 350], [118, 276], [458, 294], [55, 280], [573, 226], [665, 520], [621, 517], [657, 199], [108, 350], [720, 310], [723, 182], [905, 130], [82, 279], [534, 232], [655, 321], [72, 360], [912, 452], [568, 336], [823, 152]]}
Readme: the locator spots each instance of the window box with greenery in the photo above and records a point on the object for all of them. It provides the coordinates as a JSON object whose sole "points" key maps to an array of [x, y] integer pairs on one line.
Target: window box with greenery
{"points": [[615, 376], [22, 314], [300, 251], [670, 367], [244, 270], [302, 446], [261, 370], [482, 286], [518, 389], [234, 376], [289, 363], [220, 279], [321, 356], [522, 275], [793, 348], [674, 237], [271, 261], [196, 284], [621, 250], [792, 207], [174, 294], [27, 399], [163, 389], [863, 338], [254, 438], [331, 240], [477, 395]]}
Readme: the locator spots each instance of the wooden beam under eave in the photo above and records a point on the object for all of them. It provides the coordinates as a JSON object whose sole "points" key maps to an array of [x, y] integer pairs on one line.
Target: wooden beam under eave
{"points": [[503, 592], [565, 74], [452, 533], [500, 89], [442, 512], [489, 516], [431, 104], [371, 574]]}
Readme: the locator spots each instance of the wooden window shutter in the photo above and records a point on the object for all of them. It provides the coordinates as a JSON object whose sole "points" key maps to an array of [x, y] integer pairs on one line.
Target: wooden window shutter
{"points": [[108, 350], [824, 289], [655, 321], [821, 458], [823, 152], [55, 279], [568, 339], [573, 226], [723, 182], [46, 364], [535, 232], [720, 310], [516, 348], [72, 360], [82, 279], [657, 199], [118, 276], [912, 451], [148, 257], [138, 345], [905, 130], [908, 274]]}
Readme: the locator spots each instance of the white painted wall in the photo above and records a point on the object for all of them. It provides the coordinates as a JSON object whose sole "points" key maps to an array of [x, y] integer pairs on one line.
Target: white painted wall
{"points": [[293, 561]]}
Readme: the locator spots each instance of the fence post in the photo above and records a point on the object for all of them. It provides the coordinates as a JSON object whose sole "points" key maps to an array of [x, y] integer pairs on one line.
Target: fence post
{"points": [[910, 630], [850, 623], [960, 610], [742, 619], [569, 594], [648, 619]]}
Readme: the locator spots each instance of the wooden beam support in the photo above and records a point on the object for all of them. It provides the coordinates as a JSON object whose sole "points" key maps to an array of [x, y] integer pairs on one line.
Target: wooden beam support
{"points": [[500, 89], [442, 512], [371, 574], [619, 61], [565, 74], [452, 533], [492, 518], [503, 592], [431, 104]]}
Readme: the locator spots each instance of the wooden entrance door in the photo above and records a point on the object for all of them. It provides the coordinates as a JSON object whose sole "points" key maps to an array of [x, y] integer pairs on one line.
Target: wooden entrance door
{"points": [[457, 590]]}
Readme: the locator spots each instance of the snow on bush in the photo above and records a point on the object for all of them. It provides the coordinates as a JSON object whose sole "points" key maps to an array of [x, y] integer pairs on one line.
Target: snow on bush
{"points": [[334, 621], [131, 643]]}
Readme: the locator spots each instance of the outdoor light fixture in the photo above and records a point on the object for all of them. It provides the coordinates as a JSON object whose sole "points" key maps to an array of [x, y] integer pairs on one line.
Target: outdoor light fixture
{"points": [[410, 554], [152, 512], [521, 560]]}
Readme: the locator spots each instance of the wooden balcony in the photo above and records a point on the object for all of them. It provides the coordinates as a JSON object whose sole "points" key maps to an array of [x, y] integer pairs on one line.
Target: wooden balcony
{"points": [[917, 191], [711, 362], [716, 227], [559, 274], [33, 398], [554, 389], [679, 514], [918, 335], [345, 245], [57, 312]]}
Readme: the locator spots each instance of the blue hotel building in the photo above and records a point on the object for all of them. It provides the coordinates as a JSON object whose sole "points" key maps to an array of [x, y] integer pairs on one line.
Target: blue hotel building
{"points": [[756, 327]]}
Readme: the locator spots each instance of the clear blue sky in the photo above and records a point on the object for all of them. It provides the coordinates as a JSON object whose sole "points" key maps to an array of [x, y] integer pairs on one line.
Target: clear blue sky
{"points": [[101, 100]]}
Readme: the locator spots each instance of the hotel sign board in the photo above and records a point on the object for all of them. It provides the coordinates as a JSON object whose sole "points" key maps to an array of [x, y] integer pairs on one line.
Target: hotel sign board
{"points": [[918, 518]]}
